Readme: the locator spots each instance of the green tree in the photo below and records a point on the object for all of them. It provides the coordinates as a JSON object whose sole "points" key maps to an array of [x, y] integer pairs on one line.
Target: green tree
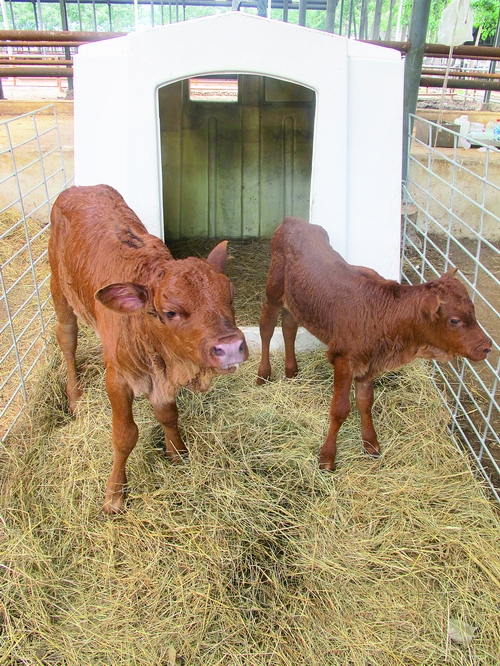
{"points": [[485, 16]]}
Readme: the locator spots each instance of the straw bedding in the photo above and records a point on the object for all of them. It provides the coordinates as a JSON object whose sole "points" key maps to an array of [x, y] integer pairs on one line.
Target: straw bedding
{"points": [[247, 553]]}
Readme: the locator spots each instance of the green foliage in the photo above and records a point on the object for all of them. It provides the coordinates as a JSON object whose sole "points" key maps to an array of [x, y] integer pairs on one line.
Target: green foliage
{"points": [[486, 15]]}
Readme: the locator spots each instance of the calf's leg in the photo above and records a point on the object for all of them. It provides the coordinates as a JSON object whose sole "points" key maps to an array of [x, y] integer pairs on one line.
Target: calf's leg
{"points": [[268, 319], [290, 327], [167, 415], [124, 437], [270, 312], [364, 401], [339, 411], [67, 337]]}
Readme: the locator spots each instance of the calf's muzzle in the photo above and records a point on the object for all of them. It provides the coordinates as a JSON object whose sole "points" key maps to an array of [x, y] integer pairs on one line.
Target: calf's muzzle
{"points": [[228, 352]]}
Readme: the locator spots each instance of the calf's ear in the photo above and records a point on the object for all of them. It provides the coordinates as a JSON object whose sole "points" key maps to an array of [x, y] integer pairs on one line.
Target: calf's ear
{"points": [[429, 305], [218, 256], [123, 297], [451, 273]]}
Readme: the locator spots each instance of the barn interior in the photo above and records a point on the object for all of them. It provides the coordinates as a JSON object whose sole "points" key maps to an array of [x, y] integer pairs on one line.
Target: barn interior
{"points": [[247, 554]]}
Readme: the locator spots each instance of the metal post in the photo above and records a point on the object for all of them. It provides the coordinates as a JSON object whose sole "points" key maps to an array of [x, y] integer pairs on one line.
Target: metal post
{"points": [[79, 15], [351, 9], [331, 6], [302, 12], [40, 18], [285, 11], [12, 17], [413, 70], [67, 52], [487, 94], [6, 27]]}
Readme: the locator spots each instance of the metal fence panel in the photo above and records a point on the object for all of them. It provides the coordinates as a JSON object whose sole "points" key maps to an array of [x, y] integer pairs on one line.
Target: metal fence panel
{"points": [[33, 174], [451, 218]]}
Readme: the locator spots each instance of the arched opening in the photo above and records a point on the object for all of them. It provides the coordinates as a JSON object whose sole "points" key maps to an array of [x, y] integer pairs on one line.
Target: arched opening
{"points": [[236, 155]]}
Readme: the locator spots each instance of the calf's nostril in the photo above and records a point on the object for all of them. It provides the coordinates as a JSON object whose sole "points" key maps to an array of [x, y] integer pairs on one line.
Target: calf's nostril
{"points": [[242, 347], [218, 351]]}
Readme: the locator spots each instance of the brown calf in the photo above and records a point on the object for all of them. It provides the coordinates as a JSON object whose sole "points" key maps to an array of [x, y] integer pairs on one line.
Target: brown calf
{"points": [[163, 323], [369, 324]]}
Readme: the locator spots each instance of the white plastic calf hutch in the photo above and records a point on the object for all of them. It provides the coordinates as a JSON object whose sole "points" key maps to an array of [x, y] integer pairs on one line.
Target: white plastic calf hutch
{"points": [[315, 132]]}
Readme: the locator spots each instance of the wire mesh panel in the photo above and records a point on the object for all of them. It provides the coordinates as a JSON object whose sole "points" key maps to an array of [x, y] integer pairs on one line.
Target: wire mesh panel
{"points": [[32, 173], [451, 219]]}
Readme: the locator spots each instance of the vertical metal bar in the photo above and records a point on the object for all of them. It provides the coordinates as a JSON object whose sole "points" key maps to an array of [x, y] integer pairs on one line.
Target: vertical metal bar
{"points": [[35, 14], [151, 3], [79, 14], [67, 51], [331, 5], [285, 11], [40, 17], [28, 240], [110, 18], [492, 68], [413, 69], [95, 15], [4, 15], [351, 10], [302, 12], [6, 27], [12, 16], [362, 20], [4, 287], [162, 13], [341, 18], [376, 20], [388, 32]]}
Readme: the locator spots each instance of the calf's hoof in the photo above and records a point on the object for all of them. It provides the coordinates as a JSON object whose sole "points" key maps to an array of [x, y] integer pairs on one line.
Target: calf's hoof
{"points": [[327, 465], [74, 400], [114, 502], [177, 457], [114, 507], [290, 373], [373, 450], [262, 380]]}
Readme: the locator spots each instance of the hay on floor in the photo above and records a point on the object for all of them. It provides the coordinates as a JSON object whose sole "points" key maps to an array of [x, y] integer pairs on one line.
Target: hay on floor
{"points": [[247, 553]]}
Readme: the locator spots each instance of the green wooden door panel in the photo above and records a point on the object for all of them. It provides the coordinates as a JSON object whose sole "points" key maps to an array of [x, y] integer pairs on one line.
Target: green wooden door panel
{"points": [[235, 169]]}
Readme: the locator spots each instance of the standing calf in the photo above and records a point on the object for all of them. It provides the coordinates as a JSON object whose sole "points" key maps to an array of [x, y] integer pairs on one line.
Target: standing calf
{"points": [[369, 324], [163, 323]]}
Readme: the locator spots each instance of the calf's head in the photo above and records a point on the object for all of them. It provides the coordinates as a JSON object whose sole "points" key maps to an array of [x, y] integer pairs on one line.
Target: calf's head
{"points": [[450, 321], [187, 308]]}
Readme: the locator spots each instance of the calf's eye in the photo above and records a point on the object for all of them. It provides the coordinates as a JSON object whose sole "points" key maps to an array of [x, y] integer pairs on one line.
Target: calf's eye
{"points": [[455, 321], [170, 314]]}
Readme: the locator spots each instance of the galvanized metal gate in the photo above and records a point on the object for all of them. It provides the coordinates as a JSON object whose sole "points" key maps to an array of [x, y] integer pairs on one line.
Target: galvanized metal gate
{"points": [[452, 218]]}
